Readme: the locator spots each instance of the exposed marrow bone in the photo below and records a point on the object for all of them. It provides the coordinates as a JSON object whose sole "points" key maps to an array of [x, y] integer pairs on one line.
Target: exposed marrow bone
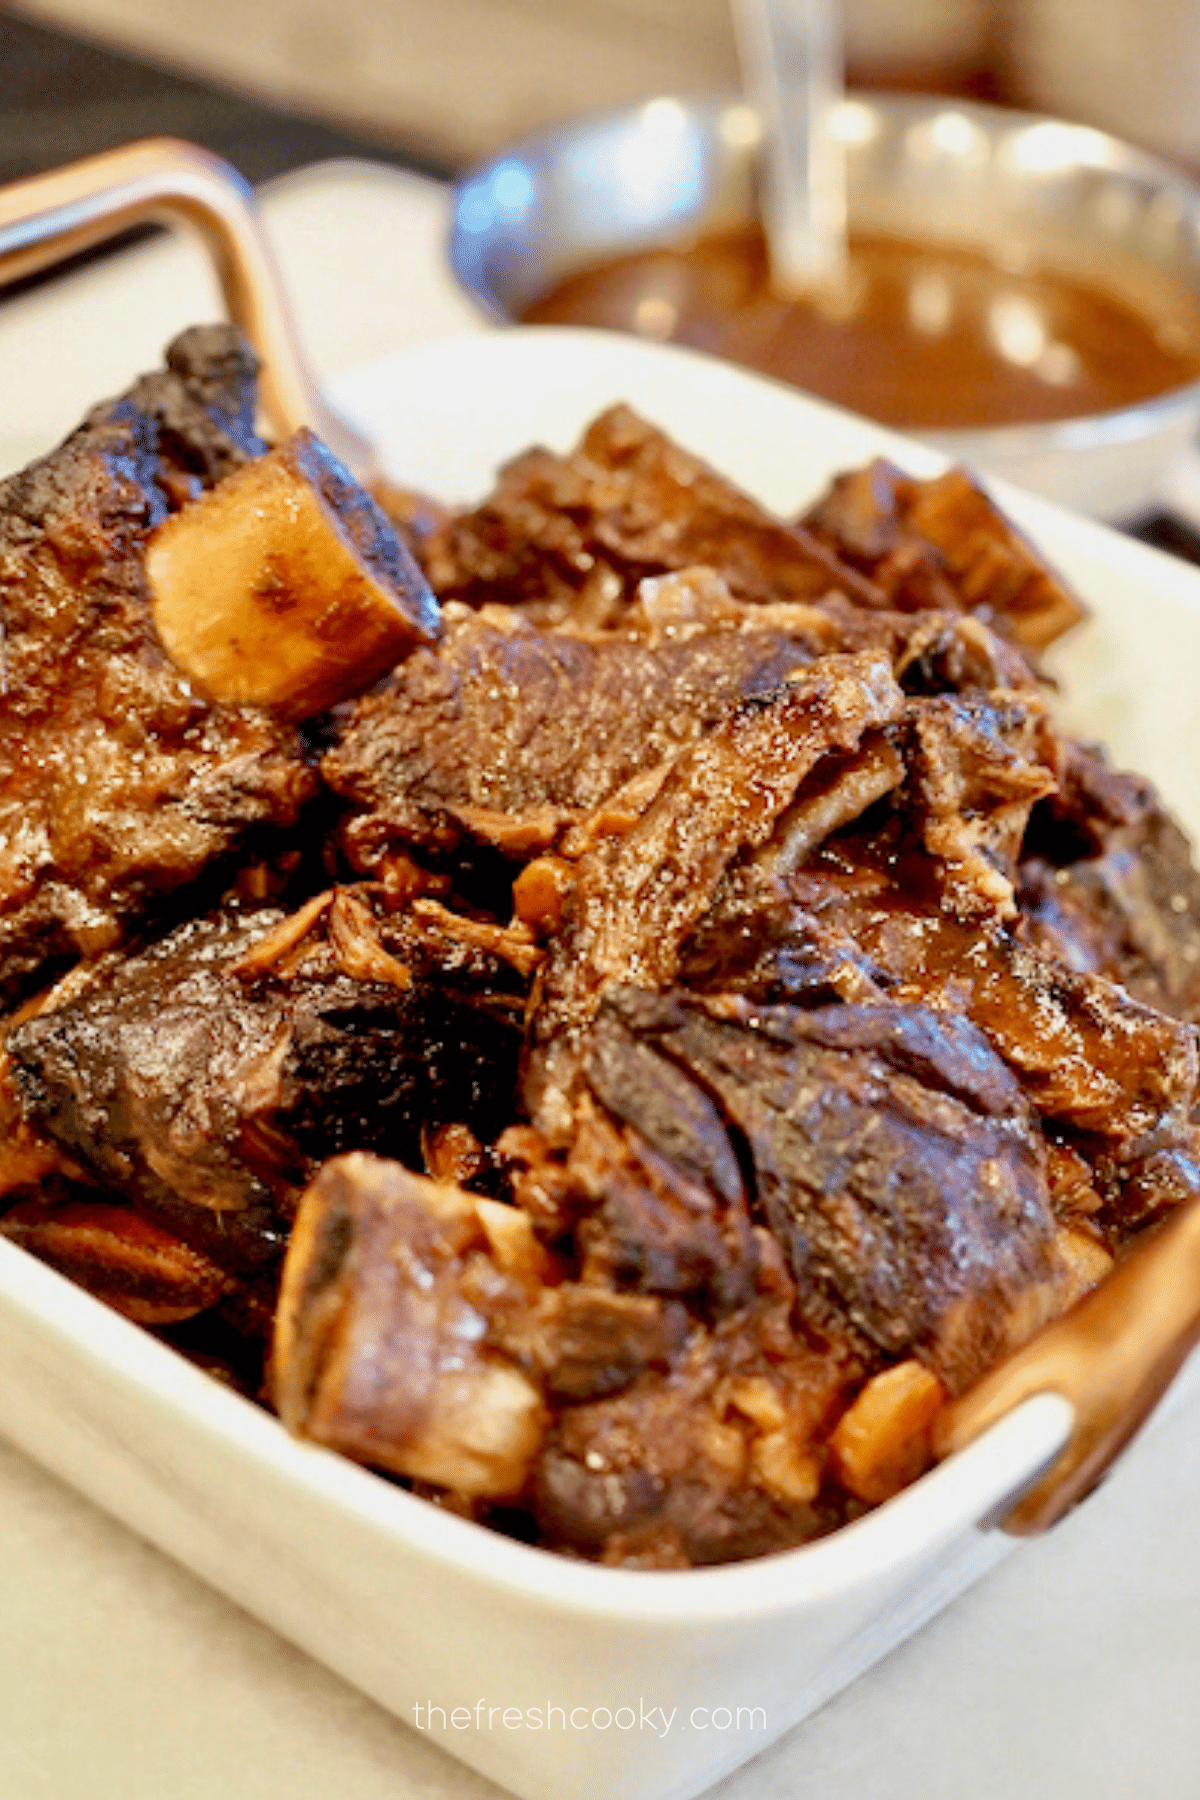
{"points": [[378, 1347], [286, 586]]}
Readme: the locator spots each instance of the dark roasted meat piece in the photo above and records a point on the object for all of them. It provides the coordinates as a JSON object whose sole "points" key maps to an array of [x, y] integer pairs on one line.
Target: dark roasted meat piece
{"points": [[995, 570], [118, 783], [1088, 1055], [960, 773], [721, 1458], [943, 544], [915, 902], [896, 1160], [124, 1258], [977, 765], [571, 536], [1107, 885], [654, 1222], [511, 734], [637, 898], [205, 1079], [200, 407]]}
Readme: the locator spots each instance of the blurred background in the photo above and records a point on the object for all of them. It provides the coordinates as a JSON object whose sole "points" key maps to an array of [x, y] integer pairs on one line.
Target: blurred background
{"points": [[438, 83], [352, 116]]}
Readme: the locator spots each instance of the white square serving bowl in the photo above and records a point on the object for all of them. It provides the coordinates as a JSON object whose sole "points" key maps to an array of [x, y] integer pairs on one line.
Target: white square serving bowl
{"points": [[417, 1607]]}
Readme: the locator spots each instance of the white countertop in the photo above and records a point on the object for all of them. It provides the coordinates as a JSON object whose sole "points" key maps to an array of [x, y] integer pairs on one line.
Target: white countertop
{"points": [[1072, 1670]]}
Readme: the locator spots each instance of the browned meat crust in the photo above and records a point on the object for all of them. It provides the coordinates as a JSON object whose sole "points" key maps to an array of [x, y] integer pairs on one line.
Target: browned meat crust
{"points": [[570, 536], [504, 725], [207, 1078], [895, 1159], [119, 784], [1088, 1055], [638, 897], [943, 544], [1108, 886], [118, 1254]]}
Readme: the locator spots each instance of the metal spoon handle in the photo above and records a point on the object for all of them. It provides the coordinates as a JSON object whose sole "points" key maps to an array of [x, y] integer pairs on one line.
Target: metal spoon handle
{"points": [[53, 216], [791, 56], [1112, 1356]]}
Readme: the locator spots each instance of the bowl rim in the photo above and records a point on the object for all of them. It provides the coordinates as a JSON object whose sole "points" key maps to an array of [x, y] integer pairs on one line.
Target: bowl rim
{"points": [[965, 1491], [1082, 431]]}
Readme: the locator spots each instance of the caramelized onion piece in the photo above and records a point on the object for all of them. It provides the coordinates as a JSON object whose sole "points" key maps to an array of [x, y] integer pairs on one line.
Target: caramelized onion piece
{"points": [[271, 950], [355, 938], [882, 1441], [514, 943], [539, 893], [285, 586]]}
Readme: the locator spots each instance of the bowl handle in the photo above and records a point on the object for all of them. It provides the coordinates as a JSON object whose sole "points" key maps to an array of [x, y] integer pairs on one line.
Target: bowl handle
{"points": [[1112, 1356], [164, 180]]}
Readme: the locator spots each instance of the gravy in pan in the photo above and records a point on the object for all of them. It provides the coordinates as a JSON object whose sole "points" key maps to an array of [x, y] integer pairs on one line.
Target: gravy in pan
{"points": [[921, 336]]}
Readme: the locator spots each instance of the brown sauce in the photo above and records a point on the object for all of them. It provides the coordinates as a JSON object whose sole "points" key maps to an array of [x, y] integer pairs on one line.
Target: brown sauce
{"points": [[922, 336]]}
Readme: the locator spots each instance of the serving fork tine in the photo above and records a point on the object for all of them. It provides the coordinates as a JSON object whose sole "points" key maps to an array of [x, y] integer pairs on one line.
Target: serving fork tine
{"points": [[53, 216]]}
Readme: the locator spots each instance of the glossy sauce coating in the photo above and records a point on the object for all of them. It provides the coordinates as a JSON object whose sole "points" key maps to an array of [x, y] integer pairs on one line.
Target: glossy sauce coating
{"points": [[921, 336]]}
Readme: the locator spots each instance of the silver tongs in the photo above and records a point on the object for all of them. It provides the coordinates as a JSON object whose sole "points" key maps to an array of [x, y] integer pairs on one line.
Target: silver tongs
{"points": [[1113, 1355]]}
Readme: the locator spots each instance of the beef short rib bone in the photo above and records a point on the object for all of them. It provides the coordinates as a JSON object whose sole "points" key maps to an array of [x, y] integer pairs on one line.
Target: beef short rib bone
{"points": [[379, 1349], [286, 586]]}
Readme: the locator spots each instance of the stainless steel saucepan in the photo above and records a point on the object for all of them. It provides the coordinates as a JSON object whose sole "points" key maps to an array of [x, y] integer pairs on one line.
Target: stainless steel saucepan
{"points": [[1008, 183]]}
